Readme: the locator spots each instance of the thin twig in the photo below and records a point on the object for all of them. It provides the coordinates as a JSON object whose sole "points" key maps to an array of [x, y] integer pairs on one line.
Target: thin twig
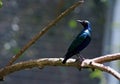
{"points": [[43, 31]]}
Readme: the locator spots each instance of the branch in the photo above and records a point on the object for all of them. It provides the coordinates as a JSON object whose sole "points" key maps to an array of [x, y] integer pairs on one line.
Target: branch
{"points": [[40, 63], [106, 69], [94, 63], [107, 58], [43, 31]]}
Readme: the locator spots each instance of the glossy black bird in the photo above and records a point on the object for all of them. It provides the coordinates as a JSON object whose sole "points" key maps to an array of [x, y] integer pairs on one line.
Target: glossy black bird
{"points": [[80, 42]]}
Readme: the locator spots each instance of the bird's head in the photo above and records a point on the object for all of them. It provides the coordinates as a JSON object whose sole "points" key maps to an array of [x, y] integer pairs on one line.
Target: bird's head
{"points": [[85, 23]]}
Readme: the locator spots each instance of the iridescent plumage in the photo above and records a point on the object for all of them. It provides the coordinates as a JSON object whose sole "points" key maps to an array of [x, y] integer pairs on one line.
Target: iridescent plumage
{"points": [[80, 42]]}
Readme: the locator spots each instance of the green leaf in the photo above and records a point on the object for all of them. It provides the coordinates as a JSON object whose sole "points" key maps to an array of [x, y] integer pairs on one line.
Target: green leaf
{"points": [[1, 4], [96, 74], [72, 24]]}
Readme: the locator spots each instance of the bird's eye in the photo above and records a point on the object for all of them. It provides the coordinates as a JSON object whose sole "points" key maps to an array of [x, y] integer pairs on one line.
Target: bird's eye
{"points": [[84, 22]]}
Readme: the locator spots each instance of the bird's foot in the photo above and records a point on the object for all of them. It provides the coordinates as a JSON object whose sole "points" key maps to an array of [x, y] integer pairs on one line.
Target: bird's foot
{"points": [[80, 59]]}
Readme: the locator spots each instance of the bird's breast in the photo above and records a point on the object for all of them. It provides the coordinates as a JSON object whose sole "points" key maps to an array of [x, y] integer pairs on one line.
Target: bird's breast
{"points": [[88, 32]]}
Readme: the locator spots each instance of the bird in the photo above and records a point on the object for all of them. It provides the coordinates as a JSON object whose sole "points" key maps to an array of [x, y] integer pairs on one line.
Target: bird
{"points": [[80, 42]]}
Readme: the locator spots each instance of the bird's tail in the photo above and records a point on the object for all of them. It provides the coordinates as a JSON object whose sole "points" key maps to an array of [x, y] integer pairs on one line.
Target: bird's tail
{"points": [[64, 61], [66, 57]]}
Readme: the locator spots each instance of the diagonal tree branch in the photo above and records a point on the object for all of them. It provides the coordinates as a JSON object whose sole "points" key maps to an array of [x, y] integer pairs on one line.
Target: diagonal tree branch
{"points": [[43, 31], [107, 58], [106, 69], [43, 62]]}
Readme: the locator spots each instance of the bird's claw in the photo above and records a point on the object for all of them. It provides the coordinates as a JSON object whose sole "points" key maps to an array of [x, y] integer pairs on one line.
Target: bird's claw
{"points": [[80, 59]]}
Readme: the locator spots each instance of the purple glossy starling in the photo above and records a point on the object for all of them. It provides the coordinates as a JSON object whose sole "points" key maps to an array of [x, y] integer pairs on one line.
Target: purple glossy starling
{"points": [[80, 42]]}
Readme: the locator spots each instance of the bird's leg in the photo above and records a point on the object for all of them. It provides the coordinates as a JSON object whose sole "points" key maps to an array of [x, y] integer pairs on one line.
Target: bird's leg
{"points": [[79, 59]]}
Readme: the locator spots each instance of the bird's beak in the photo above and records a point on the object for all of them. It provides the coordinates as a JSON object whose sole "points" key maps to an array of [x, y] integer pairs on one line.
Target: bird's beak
{"points": [[79, 21]]}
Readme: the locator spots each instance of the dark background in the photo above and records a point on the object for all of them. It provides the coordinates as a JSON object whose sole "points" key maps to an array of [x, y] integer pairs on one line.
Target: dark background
{"points": [[20, 20]]}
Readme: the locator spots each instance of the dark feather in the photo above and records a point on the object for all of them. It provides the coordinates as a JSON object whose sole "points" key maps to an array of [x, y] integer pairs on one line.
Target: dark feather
{"points": [[80, 42]]}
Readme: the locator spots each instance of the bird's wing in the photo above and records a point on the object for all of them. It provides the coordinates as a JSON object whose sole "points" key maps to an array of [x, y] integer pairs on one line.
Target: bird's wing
{"points": [[77, 41]]}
